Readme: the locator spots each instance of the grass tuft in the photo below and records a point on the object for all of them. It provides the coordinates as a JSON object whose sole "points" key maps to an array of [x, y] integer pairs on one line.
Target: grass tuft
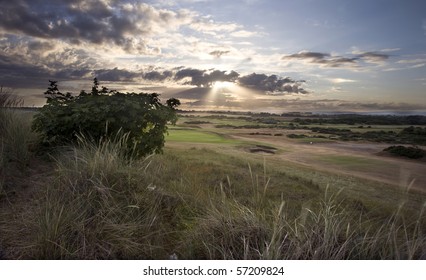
{"points": [[101, 207]]}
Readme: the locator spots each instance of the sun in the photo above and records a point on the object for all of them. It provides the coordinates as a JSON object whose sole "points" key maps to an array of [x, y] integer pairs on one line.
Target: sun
{"points": [[221, 85]]}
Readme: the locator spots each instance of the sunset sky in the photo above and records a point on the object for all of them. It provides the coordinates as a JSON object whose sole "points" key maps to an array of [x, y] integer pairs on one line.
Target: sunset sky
{"points": [[251, 55]]}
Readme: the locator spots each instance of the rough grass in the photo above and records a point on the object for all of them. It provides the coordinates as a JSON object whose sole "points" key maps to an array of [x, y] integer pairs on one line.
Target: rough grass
{"points": [[99, 203], [99, 206], [16, 139]]}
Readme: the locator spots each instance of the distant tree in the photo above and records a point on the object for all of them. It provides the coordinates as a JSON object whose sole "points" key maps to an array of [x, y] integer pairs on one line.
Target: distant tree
{"points": [[95, 87], [173, 103], [54, 95]]}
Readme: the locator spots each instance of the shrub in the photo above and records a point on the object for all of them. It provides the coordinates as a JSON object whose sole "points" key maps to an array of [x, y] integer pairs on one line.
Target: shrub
{"points": [[296, 136], [102, 113], [410, 152]]}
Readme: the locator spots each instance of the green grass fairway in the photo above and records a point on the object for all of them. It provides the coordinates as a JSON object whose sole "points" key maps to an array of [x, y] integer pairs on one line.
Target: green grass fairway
{"points": [[195, 136]]}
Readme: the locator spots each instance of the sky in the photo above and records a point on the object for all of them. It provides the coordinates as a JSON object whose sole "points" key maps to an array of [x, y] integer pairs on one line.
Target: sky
{"points": [[246, 55]]}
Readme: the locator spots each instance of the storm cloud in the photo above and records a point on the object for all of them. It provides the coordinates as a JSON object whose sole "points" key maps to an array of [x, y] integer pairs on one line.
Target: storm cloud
{"points": [[271, 84], [204, 78], [127, 25]]}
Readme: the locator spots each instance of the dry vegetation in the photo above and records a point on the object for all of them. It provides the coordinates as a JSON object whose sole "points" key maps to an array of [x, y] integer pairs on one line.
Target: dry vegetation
{"points": [[91, 201]]}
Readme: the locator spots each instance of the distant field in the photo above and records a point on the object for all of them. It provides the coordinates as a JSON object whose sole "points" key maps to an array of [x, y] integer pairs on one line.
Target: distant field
{"points": [[242, 133]]}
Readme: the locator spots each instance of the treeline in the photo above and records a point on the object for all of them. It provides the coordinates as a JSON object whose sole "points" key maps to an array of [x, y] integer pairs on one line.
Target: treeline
{"points": [[353, 119], [409, 135]]}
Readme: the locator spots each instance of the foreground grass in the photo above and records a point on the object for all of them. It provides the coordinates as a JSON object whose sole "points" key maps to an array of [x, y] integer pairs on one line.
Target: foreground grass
{"points": [[16, 140], [97, 203]]}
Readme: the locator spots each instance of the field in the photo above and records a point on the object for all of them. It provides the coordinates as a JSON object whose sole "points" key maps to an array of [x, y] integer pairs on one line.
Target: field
{"points": [[227, 186], [357, 159]]}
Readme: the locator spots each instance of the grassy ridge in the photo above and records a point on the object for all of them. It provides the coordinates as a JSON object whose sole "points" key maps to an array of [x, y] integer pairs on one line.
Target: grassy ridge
{"points": [[100, 205], [199, 203]]}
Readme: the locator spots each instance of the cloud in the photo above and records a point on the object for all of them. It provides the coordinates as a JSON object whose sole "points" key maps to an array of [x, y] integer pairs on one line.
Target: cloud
{"points": [[31, 62], [157, 76], [272, 83], [390, 49], [244, 34], [129, 26], [412, 61], [204, 78], [115, 75], [323, 59], [373, 57], [218, 53], [208, 26], [314, 56], [341, 80], [333, 61]]}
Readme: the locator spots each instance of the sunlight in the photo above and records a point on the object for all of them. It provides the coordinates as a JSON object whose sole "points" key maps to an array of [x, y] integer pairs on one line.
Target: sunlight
{"points": [[221, 85]]}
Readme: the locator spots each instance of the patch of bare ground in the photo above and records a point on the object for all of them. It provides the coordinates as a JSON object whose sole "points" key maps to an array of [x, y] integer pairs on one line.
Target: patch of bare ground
{"points": [[24, 189]]}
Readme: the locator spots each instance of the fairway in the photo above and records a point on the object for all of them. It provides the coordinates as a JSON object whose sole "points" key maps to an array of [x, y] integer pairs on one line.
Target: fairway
{"points": [[195, 136], [349, 161]]}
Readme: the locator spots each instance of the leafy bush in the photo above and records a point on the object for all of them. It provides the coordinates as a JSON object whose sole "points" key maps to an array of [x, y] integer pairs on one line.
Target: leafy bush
{"points": [[103, 113], [410, 152]]}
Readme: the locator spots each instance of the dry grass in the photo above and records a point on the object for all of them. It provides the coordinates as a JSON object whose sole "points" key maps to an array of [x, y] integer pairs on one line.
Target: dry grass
{"points": [[99, 203], [100, 207]]}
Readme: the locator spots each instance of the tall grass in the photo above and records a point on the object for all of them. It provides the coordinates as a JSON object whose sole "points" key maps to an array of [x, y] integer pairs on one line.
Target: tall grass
{"points": [[229, 230], [100, 207], [102, 204], [16, 137]]}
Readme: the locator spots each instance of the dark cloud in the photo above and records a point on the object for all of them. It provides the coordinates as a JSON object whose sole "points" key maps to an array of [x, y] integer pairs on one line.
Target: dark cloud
{"points": [[259, 82], [115, 75], [272, 83], [329, 60], [314, 56], [218, 53], [28, 63], [204, 78], [95, 21], [338, 62], [157, 76], [21, 74]]}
